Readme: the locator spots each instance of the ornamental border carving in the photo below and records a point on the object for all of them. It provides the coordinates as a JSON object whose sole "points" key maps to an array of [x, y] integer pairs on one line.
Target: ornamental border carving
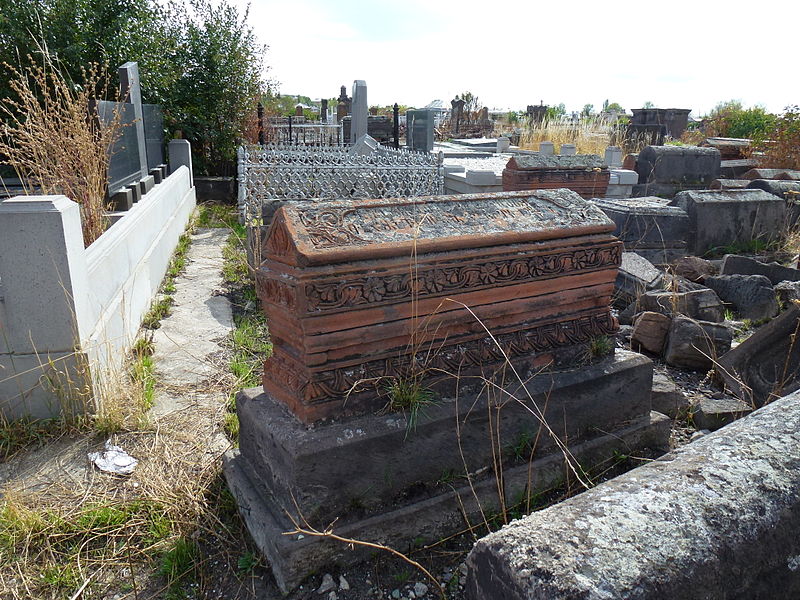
{"points": [[333, 295], [336, 383]]}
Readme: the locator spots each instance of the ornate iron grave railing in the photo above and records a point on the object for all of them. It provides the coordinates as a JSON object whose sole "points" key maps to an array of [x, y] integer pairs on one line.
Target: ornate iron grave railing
{"points": [[273, 174]]}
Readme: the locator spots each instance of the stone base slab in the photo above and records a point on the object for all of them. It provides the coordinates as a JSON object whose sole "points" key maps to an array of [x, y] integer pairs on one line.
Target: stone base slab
{"points": [[294, 557], [385, 482]]}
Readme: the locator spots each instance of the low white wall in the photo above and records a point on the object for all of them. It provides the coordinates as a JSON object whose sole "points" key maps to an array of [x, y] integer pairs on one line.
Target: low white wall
{"points": [[127, 263], [63, 307]]}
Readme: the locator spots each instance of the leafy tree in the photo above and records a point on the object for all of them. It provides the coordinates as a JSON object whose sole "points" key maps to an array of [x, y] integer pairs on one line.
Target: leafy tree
{"points": [[784, 149], [199, 60], [554, 112], [648, 104], [75, 33], [587, 110], [731, 119], [220, 83], [471, 104]]}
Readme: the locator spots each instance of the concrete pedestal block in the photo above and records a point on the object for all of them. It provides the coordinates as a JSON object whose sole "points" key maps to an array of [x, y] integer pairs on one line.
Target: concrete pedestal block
{"points": [[147, 184]]}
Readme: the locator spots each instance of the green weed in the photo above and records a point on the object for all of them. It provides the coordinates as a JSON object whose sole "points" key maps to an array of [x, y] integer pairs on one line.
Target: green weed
{"points": [[599, 346], [246, 563], [160, 309], [409, 395], [178, 563]]}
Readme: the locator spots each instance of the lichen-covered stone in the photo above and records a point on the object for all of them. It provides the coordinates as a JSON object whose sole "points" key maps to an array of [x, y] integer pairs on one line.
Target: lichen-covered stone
{"points": [[717, 519]]}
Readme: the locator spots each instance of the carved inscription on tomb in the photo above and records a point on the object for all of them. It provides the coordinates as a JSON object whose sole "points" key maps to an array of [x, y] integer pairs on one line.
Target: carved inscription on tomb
{"points": [[333, 226], [452, 278], [337, 383]]}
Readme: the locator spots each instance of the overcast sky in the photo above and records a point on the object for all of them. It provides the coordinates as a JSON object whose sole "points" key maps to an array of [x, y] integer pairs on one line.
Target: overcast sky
{"points": [[511, 53]]}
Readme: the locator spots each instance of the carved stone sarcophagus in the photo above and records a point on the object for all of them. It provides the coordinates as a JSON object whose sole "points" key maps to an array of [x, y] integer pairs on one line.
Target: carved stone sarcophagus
{"points": [[585, 174], [358, 294]]}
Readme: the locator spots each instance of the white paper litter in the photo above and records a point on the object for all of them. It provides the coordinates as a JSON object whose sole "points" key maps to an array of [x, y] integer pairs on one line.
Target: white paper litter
{"points": [[113, 460]]}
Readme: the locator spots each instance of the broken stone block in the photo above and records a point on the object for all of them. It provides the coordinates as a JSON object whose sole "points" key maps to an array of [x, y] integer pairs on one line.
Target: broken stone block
{"points": [[677, 168], [733, 264], [694, 268], [649, 227], [703, 304], [767, 364], [585, 174], [787, 291], [650, 331], [720, 218], [762, 174], [696, 344], [666, 398], [713, 413], [636, 275], [729, 184], [625, 316], [729, 148], [718, 519], [776, 187], [752, 296]]}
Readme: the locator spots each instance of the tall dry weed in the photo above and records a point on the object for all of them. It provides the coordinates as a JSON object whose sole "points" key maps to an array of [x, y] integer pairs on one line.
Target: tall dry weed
{"points": [[52, 137], [590, 136]]}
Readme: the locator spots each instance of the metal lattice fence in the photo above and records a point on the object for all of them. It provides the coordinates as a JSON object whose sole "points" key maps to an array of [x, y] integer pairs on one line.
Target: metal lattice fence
{"points": [[272, 174]]}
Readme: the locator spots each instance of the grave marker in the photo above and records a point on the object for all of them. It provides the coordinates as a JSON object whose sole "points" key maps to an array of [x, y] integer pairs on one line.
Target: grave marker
{"points": [[358, 125]]}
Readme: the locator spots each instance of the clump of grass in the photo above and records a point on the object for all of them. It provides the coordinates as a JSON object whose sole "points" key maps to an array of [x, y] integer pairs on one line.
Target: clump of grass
{"points": [[178, 565], [143, 374], [211, 214], [599, 347], [23, 433], [54, 142], [160, 309], [408, 394]]}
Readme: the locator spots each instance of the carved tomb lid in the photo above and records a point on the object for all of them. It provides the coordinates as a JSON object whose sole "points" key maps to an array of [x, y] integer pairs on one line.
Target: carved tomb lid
{"points": [[318, 233]]}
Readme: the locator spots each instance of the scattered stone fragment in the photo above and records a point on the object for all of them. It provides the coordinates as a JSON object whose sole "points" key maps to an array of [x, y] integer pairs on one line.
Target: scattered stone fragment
{"points": [[703, 305], [625, 316], [327, 585], [696, 344], [694, 268], [787, 291], [650, 331], [395, 594], [752, 296], [332, 596], [733, 264], [777, 188], [698, 434], [420, 589], [343, 585], [713, 413], [667, 398], [766, 365], [636, 276]]}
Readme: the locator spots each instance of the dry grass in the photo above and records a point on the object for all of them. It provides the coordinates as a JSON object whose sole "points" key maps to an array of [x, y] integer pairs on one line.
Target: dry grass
{"points": [[590, 136], [54, 142], [135, 536]]}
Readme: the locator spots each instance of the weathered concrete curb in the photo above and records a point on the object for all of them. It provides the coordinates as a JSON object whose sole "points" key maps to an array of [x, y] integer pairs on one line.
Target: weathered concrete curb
{"points": [[719, 518]]}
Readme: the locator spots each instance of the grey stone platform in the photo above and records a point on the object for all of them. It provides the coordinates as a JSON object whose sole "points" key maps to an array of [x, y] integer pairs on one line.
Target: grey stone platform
{"points": [[385, 483]]}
